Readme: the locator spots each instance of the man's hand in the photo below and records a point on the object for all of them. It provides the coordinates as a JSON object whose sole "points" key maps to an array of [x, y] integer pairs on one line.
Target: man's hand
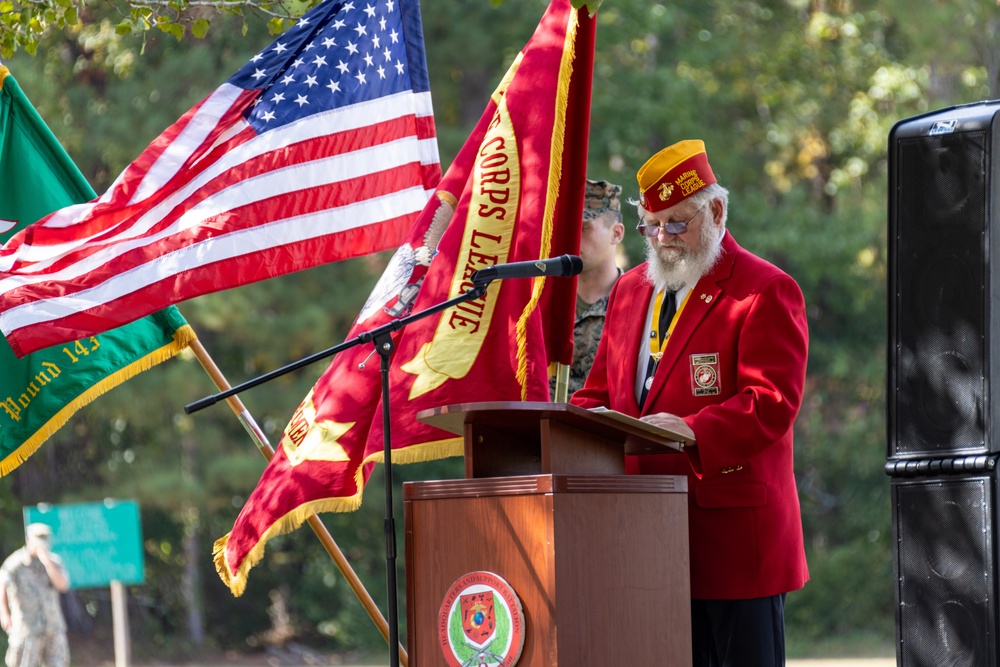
{"points": [[42, 553], [40, 550], [669, 422]]}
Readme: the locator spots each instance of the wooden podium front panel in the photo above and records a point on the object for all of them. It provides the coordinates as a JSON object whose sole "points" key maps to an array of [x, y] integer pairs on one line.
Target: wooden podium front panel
{"points": [[624, 596], [509, 535], [600, 564]]}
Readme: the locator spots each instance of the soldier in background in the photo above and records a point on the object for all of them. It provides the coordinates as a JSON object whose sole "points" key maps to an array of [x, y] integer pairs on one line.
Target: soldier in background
{"points": [[31, 580], [602, 232]]}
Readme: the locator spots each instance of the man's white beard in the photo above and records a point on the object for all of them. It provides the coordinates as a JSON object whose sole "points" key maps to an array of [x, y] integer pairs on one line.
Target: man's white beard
{"points": [[690, 266]]}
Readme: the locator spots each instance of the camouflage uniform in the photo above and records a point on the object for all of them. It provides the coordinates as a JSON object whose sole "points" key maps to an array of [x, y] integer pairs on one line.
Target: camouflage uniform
{"points": [[587, 330], [600, 197], [38, 631], [586, 335]]}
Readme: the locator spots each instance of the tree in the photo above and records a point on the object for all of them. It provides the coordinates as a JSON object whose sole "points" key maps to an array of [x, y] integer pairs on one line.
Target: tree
{"points": [[23, 23]]}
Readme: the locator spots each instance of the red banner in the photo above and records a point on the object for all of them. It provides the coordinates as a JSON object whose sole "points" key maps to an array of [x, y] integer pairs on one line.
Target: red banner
{"points": [[514, 193]]}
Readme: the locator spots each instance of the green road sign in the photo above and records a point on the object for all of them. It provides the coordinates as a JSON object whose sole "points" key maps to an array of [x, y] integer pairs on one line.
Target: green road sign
{"points": [[98, 542]]}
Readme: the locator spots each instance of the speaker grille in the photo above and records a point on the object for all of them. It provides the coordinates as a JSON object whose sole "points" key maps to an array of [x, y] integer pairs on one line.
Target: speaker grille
{"points": [[946, 595], [940, 282]]}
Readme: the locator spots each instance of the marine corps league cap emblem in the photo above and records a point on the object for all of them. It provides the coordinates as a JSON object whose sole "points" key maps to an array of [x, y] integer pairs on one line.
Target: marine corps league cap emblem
{"points": [[666, 189], [481, 623]]}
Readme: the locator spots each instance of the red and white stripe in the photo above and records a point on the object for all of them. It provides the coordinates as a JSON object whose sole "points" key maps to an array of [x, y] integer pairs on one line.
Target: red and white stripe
{"points": [[212, 205]]}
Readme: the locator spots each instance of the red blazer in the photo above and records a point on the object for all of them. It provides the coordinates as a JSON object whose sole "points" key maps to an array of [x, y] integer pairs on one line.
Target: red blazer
{"points": [[744, 519]]}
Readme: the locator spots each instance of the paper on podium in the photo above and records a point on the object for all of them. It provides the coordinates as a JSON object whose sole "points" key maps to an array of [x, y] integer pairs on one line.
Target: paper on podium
{"points": [[673, 438]]}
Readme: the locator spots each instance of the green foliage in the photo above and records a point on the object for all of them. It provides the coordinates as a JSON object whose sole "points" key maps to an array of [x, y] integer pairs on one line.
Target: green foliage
{"points": [[795, 101], [23, 23], [463, 649]]}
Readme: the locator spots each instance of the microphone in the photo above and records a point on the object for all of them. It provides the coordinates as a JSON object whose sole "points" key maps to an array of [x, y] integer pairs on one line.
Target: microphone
{"points": [[564, 266]]}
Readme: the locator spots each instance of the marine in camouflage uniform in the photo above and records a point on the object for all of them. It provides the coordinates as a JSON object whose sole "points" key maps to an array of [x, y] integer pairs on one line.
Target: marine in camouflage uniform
{"points": [[36, 635], [602, 232], [587, 330]]}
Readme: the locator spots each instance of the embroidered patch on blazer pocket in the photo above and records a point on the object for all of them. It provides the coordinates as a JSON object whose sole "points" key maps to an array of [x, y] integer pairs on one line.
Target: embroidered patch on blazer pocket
{"points": [[705, 369], [717, 496]]}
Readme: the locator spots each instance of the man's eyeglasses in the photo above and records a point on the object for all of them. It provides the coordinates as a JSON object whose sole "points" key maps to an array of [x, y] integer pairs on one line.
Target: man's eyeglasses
{"points": [[653, 230]]}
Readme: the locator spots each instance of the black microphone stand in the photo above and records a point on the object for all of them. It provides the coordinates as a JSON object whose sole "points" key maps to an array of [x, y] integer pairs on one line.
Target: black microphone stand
{"points": [[381, 337]]}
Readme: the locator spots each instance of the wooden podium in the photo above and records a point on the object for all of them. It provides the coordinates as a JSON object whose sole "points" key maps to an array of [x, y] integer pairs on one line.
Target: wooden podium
{"points": [[599, 560]]}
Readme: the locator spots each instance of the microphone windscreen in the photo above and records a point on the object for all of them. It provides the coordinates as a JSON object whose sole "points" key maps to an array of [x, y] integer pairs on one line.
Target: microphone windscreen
{"points": [[572, 265]]}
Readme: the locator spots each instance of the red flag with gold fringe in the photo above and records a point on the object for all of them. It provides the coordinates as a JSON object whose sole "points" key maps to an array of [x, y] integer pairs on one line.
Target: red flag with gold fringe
{"points": [[514, 193]]}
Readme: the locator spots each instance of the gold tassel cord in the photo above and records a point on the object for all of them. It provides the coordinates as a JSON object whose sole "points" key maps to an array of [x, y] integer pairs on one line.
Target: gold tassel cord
{"points": [[552, 194]]}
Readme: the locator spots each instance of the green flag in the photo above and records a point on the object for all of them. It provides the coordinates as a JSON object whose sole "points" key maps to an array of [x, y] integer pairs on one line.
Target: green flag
{"points": [[41, 391]]}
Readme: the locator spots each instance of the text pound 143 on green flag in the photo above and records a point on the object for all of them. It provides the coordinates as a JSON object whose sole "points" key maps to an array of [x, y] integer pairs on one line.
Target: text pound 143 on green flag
{"points": [[40, 392]]}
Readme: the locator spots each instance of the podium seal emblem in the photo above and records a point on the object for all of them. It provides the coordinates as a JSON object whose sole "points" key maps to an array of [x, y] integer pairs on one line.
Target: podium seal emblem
{"points": [[481, 623]]}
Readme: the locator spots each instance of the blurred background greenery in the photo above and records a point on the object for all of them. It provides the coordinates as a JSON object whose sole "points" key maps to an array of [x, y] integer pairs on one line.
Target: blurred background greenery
{"points": [[795, 100]]}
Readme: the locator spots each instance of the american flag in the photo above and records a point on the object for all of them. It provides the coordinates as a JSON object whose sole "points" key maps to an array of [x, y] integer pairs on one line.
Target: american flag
{"points": [[322, 147]]}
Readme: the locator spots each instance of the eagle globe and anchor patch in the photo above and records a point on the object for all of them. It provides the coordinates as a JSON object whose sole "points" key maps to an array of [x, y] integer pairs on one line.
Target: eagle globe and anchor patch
{"points": [[481, 623], [705, 374]]}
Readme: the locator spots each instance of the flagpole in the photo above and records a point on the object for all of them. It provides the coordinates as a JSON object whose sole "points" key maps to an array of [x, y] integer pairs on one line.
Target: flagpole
{"points": [[561, 393], [314, 521]]}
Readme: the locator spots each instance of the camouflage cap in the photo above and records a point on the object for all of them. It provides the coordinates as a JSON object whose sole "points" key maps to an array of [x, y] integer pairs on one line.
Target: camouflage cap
{"points": [[600, 198]]}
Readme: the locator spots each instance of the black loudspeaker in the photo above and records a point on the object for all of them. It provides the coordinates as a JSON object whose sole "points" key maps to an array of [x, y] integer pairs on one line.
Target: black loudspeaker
{"points": [[946, 569], [944, 233]]}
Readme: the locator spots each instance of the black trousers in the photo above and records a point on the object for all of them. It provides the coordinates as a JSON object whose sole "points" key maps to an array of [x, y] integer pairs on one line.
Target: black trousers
{"points": [[738, 633]]}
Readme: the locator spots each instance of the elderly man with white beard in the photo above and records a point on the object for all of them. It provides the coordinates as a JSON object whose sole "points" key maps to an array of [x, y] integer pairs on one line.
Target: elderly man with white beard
{"points": [[711, 341]]}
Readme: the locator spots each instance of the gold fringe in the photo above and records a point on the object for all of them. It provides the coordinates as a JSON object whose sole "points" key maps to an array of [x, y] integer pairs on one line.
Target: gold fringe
{"points": [[555, 175], [427, 451], [182, 338], [4, 73], [237, 581]]}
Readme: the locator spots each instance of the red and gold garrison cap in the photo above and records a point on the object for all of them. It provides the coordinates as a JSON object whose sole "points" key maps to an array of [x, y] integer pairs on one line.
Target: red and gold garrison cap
{"points": [[673, 175]]}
